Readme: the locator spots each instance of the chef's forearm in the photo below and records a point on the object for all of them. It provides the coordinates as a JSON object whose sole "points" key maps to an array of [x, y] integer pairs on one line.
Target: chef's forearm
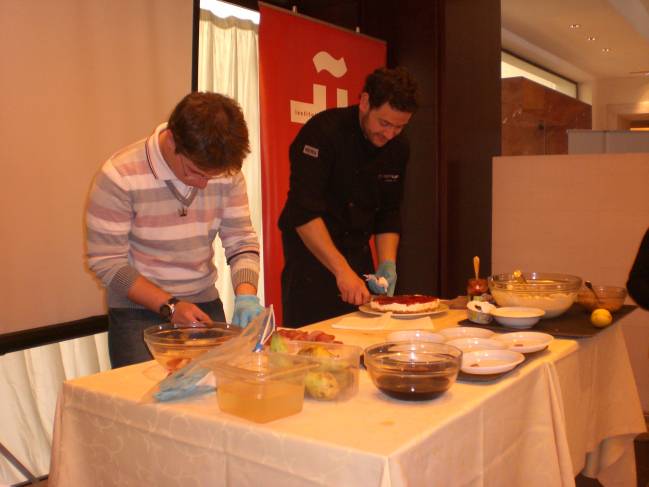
{"points": [[386, 246], [317, 239]]}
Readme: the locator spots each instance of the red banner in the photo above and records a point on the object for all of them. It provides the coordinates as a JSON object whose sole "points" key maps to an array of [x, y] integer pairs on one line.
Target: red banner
{"points": [[306, 66]]}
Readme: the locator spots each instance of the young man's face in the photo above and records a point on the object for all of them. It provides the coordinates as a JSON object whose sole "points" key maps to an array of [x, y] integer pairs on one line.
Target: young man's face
{"points": [[192, 175], [382, 124], [182, 166]]}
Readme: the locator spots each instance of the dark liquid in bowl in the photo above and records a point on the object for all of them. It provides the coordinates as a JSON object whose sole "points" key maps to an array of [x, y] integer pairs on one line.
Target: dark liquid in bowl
{"points": [[413, 388]]}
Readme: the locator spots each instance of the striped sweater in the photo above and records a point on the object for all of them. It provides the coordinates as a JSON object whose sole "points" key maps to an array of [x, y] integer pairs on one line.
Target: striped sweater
{"points": [[137, 226]]}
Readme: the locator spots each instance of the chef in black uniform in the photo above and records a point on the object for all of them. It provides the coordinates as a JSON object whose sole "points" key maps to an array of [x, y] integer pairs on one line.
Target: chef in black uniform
{"points": [[347, 174]]}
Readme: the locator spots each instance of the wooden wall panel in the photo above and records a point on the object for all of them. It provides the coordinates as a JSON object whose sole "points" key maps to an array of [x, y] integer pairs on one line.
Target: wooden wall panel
{"points": [[535, 118]]}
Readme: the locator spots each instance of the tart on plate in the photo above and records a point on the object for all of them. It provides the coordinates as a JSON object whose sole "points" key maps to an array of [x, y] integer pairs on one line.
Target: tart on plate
{"points": [[405, 303]]}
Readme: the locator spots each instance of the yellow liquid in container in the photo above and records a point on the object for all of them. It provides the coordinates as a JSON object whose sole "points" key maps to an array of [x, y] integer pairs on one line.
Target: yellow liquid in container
{"points": [[260, 402]]}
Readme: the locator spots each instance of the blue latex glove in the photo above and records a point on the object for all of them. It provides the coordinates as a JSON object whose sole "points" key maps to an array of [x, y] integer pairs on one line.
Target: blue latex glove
{"points": [[246, 307], [388, 270]]}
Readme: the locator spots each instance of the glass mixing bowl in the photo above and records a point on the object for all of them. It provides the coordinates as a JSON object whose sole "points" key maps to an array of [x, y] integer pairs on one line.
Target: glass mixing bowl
{"points": [[175, 345], [608, 297], [413, 370], [553, 293]]}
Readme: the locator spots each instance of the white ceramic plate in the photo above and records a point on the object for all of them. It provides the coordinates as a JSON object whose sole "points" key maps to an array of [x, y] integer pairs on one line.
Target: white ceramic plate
{"points": [[465, 332], [419, 335], [474, 344], [525, 341], [518, 316], [484, 362], [442, 308]]}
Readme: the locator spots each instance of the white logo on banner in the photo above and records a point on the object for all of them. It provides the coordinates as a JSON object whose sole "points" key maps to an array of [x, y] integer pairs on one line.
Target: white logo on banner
{"points": [[323, 61]]}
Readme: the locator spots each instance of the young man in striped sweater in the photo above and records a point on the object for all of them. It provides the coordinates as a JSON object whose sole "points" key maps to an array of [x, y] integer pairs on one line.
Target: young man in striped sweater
{"points": [[154, 211]]}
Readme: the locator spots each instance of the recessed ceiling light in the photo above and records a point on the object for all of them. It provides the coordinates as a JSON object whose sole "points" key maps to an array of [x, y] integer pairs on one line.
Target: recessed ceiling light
{"points": [[575, 26], [606, 49], [591, 38], [642, 73]]}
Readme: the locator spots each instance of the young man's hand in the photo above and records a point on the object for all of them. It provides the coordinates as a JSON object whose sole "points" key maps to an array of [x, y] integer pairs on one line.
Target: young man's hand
{"points": [[246, 307]]}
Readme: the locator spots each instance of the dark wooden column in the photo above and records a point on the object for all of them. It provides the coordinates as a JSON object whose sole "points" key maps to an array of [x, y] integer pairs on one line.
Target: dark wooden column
{"points": [[453, 49], [412, 31], [469, 107]]}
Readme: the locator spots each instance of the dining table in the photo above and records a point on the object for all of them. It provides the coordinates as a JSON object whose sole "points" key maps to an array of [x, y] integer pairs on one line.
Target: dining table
{"points": [[569, 409]]}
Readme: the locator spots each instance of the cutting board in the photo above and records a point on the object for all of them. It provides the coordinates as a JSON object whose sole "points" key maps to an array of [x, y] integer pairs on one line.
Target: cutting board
{"points": [[574, 323]]}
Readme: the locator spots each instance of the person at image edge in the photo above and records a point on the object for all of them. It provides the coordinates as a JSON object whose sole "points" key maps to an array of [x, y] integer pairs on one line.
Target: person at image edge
{"points": [[638, 282]]}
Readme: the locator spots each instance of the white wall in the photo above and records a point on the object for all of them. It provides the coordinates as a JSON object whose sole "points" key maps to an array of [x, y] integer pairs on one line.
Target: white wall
{"points": [[576, 214], [612, 98]]}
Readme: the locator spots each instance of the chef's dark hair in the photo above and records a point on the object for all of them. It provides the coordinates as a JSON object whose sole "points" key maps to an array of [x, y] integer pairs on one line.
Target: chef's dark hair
{"points": [[210, 130], [395, 86]]}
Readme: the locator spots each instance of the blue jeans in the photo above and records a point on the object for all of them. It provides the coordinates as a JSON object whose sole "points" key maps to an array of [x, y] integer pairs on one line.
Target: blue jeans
{"points": [[125, 326]]}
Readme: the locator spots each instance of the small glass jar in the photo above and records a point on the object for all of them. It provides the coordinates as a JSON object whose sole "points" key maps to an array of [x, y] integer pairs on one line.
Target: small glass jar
{"points": [[476, 288]]}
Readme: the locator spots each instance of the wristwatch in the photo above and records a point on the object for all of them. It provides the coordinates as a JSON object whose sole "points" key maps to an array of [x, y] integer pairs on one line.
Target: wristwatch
{"points": [[168, 308]]}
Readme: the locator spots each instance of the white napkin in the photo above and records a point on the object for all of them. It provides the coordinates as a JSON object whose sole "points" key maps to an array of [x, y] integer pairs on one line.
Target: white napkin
{"points": [[383, 322]]}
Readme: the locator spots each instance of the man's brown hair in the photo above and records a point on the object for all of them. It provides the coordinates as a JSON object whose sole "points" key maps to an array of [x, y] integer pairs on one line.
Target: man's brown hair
{"points": [[210, 130], [394, 86]]}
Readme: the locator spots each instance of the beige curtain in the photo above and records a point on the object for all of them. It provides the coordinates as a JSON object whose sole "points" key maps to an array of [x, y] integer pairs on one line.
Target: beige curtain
{"points": [[30, 381], [228, 64]]}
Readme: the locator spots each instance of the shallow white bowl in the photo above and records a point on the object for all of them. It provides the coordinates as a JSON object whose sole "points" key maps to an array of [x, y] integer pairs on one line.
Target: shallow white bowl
{"points": [[525, 341], [480, 312], [472, 344], [465, 332], [423, 335], [518, 316], [484, 362]]}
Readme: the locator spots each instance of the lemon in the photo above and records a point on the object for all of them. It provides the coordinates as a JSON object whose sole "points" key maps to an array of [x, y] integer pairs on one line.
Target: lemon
{"points": [[601, 317]]}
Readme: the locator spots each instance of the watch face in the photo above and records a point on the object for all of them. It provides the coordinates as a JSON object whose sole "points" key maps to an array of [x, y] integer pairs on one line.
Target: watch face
{"points": [[166, 310]]}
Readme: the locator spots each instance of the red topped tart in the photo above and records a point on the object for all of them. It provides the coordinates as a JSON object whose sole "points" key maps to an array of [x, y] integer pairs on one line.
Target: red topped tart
{"points": [[405, 303]]}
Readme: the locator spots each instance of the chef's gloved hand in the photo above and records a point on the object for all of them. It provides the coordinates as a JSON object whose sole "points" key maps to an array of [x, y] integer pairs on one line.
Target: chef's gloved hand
{"points": [[388, 270], [246, 307]]}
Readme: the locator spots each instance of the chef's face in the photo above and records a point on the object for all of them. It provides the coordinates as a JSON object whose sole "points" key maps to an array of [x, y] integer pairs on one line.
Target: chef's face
{"points": [[382, 124]]}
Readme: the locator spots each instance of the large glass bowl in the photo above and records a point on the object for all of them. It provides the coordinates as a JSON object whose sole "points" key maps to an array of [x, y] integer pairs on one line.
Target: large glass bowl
{"points": [[175, 345], [553, 293], [413, 370]]}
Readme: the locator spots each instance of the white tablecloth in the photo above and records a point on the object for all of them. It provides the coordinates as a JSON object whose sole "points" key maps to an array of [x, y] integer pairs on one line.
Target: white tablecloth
{"points": [[570, 407]]}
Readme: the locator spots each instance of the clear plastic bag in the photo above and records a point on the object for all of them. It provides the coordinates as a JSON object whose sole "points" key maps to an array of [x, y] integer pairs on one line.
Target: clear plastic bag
{"points": [[185, 381]]}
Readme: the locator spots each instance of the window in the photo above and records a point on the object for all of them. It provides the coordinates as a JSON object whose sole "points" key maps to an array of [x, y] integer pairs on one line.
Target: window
{"points": [[512, 66]]}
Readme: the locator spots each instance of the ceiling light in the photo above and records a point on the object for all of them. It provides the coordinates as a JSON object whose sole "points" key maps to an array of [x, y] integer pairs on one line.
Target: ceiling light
{"points": [[606, 49], [575, 26], [591, 38]]}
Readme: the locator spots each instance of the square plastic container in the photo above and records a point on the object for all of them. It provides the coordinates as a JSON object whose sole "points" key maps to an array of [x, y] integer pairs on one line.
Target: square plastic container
{"points": [[336, 377], [262, 386]]}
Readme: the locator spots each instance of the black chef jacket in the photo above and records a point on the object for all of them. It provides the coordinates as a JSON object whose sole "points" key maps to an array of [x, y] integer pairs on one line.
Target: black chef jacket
{"points": [[356, 188]]}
